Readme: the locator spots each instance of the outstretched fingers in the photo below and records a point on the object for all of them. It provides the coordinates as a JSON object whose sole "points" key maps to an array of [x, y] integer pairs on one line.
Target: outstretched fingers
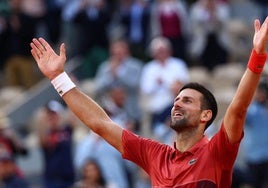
{"points": [[44, 46], [34, 52], [40, 47], [257, 25], [260, 39], [263, 27], [62, 50], [37, 49]]}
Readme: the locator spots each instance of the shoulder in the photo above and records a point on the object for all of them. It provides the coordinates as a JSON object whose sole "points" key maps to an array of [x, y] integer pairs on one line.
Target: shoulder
{"points": [[131, 139], [104, 65], [150, 65], [177, 61], [135, 61]]}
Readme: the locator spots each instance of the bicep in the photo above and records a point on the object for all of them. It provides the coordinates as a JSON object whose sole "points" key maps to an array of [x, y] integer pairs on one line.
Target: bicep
{"points": [[112, 133], [234, 121], [94, 117]]}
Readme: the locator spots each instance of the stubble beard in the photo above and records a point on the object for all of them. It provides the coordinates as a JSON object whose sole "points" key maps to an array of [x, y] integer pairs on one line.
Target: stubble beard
{"points": [[179, 125]]}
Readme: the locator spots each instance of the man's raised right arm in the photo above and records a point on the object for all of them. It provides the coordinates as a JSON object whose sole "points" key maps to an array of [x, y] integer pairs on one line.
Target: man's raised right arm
{"points": [[84, 107]]}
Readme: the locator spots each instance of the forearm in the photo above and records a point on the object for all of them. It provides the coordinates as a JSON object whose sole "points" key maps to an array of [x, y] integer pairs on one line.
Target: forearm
{"points": [[235, 116], [245, 92], [86, 109], [94, 117], [249, 81]]}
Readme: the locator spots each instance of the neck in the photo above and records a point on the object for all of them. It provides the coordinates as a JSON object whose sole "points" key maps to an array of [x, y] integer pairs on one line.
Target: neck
{"points": [[186, 139]]}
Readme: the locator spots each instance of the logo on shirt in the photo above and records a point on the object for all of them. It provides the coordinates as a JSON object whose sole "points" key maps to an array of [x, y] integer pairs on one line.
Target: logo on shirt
{"points": [[192, 161]]}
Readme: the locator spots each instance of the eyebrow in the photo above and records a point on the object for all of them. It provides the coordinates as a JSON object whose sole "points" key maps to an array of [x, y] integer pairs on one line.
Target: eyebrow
{"points": [[184, 97]]}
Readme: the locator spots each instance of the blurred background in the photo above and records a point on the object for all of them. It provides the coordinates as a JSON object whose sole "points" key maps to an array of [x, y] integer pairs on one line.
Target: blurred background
{"points": [[109, 49]]}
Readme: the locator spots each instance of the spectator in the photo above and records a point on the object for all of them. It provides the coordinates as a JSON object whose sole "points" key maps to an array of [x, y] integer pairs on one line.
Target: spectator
{"points": [[170, 19], [209, 41], [11, 142], [53, 19], [56, 144], [114, 168], [255, 151], [9, 178], [134, 16], [95, 13], [121, 69], [20, 28], [115, 106], [92, 17], [91, 176], [10, 139], [159, 75]]}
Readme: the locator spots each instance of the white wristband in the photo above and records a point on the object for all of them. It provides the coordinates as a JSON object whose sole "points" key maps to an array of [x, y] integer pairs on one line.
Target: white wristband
{"points": [[62, 83]]}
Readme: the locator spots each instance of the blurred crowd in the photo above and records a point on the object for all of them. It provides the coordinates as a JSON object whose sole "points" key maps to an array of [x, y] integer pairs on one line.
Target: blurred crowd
{"points": [[200, 32], [137, 54]]}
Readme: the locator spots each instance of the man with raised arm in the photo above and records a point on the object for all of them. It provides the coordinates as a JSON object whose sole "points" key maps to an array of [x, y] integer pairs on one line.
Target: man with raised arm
{"points": [[194, 161]]}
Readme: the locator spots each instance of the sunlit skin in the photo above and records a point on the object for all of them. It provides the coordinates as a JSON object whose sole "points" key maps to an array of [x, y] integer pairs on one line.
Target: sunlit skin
{"points": [[186, 110], [187, 118]]}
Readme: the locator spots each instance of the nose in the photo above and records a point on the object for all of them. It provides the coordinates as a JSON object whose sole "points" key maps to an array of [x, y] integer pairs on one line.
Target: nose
{"points": [[177, 103]]}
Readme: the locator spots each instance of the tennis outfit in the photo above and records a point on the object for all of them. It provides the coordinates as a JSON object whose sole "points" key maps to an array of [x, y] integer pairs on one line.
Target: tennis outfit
{"points": [[207, 164]]}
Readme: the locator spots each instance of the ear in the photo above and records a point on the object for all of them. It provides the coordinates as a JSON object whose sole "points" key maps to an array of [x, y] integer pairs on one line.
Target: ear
{"points": [[206, 115]]}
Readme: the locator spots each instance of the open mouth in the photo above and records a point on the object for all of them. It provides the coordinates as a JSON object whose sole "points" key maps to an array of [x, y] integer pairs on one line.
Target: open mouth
{"points": [[178, 114]]}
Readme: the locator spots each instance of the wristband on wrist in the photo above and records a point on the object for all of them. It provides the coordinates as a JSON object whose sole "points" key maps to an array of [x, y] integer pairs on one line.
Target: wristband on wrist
{"points": [[62, 83], [256, 62]]}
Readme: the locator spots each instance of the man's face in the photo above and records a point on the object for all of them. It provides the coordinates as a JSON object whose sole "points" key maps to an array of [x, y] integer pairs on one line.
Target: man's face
{"points": [[119, 50], [53, 119], [186, 111]]}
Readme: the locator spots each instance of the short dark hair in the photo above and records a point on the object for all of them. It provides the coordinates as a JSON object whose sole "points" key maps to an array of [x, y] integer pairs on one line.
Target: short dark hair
{"points": [[208, 100]]}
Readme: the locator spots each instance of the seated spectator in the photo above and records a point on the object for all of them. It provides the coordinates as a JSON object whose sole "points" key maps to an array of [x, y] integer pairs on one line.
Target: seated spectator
{"points": [[159, 75], [120, 69], [12, 142], [91, 176], [115, 106], [9, 178], [115, 169], [10, 139], [56, 143]]}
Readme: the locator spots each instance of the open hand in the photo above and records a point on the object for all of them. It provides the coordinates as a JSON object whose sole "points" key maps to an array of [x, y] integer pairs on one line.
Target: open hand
{"points": [[50, 64], [260, 39]]}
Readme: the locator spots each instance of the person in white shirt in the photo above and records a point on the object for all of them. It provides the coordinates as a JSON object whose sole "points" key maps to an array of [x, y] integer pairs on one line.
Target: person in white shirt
{"points": [[159, 75]]}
